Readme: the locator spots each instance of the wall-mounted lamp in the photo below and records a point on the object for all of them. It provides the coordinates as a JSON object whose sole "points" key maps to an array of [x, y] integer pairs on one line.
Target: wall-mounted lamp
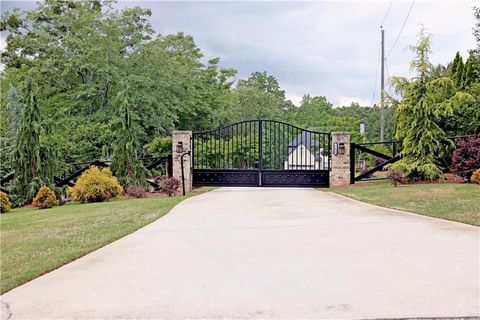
{"points": [[335, 148], [179, 147], [341, 148]]}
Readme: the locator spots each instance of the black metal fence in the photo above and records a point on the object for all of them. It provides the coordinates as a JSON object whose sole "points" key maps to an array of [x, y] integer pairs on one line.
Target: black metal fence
{"points": [[259, 152]]}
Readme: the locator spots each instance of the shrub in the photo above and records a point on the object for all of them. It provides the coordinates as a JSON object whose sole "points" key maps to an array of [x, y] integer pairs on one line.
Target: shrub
{"points": [[5, 204], [45, 198], [95, 185], [136, 191], [167, 185], [466, 157], [395, 177], [475, 178]]}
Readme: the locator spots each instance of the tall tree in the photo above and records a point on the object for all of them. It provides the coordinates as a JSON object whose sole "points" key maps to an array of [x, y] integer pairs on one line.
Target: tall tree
{"points": [[456, 70], [125, 163], [425, 104], [27, 157]]}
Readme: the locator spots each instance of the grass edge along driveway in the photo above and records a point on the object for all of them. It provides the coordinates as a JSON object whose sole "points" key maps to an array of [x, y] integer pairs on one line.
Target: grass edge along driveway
{"points": [[450, 201], [34, 242]]}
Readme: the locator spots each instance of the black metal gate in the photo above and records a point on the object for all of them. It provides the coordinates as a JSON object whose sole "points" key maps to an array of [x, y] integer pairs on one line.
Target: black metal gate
{"points": [[261, 153]]}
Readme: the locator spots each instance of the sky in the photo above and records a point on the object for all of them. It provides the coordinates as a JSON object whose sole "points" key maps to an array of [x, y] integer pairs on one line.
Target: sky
{"points": [[323, 48]]}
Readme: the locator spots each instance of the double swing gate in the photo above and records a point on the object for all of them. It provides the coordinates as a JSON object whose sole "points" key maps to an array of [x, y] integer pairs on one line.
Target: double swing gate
{"points": [[261, 153]]}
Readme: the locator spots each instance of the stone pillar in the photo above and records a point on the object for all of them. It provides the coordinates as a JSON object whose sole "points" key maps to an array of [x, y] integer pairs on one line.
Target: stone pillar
{"points": [[181, 145], [340, 159]]}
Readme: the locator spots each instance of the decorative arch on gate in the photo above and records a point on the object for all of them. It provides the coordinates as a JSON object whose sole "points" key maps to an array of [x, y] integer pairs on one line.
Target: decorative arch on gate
{"points": [[261, 153]]}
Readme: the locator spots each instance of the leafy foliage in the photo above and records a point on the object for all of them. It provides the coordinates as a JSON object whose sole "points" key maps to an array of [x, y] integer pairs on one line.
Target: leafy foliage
{"points": [[125, 163], [426, 104], [167, 185], [32, 159], [160, 146], [45, 198], [136, 191], [395, 177], [5, 204], [466, 157], [95, 185]]}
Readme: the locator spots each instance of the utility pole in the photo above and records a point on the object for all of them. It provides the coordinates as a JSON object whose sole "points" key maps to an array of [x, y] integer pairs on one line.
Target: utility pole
{"points": [[382, 89]]}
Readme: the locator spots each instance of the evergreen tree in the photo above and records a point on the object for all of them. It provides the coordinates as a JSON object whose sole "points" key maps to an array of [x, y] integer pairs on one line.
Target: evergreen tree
{"points": [[26, 160], [456, 71], [417, 117], [471, 70], [125, 163]]}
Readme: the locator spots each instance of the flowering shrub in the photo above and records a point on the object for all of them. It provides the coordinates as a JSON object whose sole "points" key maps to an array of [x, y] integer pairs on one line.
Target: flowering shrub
{"points": [[475, 178], [5, 204], [466, 157], [395, 177], [95, 185], [136, 191], [45, 198], [167, 185]]}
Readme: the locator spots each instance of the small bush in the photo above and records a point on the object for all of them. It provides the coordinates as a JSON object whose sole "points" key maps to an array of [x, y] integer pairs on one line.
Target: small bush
{"points": [[466, 157], [45, 198], [136, 191], [395, 177], [95, 185], [475, 178], [5, 204], [167, 185]]}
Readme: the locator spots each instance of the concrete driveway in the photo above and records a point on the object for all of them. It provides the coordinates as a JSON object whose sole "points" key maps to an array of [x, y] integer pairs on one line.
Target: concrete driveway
{"points": [[268, 253]]}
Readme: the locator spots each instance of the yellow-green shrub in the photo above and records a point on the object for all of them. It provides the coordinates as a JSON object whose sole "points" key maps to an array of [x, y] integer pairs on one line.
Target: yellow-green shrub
{"points": [[475, 177], [5, 204], [45, 198], [95, 185]]}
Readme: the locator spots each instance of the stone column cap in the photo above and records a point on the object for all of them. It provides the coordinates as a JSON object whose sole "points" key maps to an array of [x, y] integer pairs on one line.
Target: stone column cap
{"points": [[181, 131]]}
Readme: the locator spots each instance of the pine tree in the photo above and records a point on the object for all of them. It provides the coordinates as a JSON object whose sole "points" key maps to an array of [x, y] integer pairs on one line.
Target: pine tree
{"points": [[26, 160], [416, 119], [125, 163], [456, 72], [471, 70]]}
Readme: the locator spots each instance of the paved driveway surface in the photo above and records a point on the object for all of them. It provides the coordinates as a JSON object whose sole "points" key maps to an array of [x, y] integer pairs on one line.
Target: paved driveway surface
{"points": [[268, 253]]}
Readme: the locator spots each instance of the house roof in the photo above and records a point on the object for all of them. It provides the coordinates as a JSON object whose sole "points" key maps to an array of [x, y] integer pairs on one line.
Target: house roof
{"points": [[306, 138]]}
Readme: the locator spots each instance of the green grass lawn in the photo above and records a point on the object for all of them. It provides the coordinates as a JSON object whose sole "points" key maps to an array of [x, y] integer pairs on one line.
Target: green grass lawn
{"points": [[457, 202], [34, 242]]}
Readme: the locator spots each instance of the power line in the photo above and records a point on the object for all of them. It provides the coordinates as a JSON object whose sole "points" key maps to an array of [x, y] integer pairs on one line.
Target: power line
{"points": [[401, 30], [386, 13]]}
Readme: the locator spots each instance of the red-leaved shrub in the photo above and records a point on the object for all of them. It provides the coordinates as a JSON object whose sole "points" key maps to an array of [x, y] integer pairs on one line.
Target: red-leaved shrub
{"points": [[395, 177], [167, 185], [466, 157]]}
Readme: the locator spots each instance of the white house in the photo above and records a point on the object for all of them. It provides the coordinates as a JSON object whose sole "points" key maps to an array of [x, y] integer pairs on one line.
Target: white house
{"points": [[305, 153]]}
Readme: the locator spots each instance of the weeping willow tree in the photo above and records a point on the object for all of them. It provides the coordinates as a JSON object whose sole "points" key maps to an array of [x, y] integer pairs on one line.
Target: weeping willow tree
{"points": [[426, 103], [125, 163]]}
